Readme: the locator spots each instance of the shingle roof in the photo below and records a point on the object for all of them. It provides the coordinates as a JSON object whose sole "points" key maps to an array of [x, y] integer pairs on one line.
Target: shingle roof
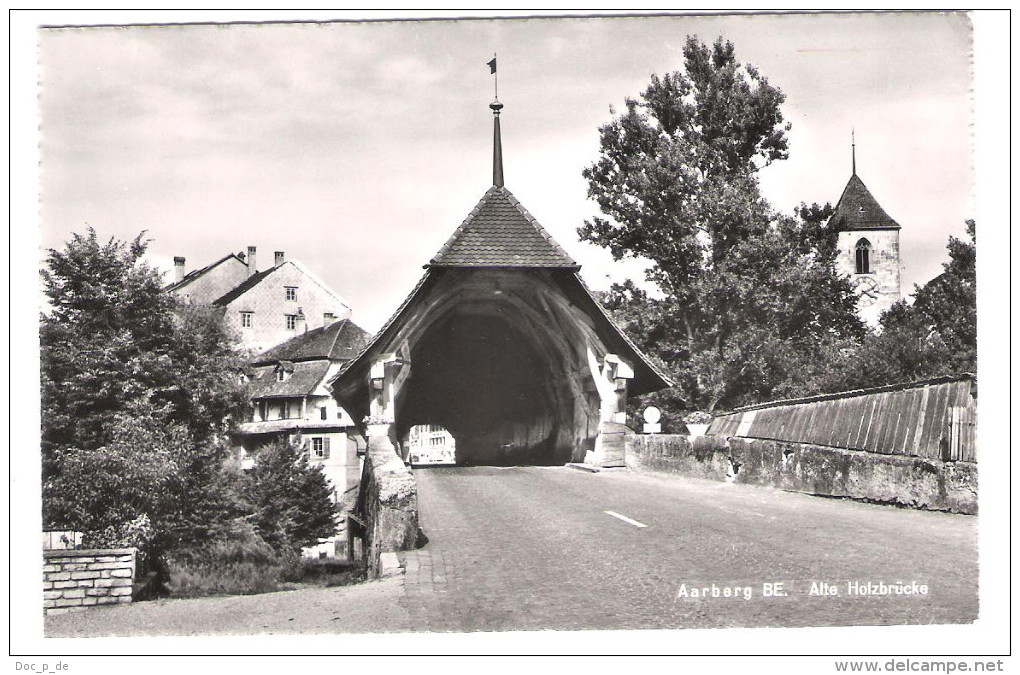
{"points": [[301, 381], [499, 232], [194, 274], [339, 341], [857, 209], [243, 287]]}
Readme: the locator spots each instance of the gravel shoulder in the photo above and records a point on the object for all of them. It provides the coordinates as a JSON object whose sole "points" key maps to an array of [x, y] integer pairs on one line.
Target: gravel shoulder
{"points": [[371, 607]]}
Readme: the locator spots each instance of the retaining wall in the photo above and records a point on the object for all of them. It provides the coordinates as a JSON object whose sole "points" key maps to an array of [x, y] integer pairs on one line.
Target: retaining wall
{"points": [[908, 481], [387, 502], [76, 579]]}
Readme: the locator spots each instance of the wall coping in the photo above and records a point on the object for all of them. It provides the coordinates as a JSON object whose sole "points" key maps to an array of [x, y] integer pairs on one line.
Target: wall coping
{"points": [[86, 552], [943, 379]]}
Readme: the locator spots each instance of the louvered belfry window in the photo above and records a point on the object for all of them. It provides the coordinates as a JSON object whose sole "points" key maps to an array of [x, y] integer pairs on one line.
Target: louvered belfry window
{"points": [[863, 257]]}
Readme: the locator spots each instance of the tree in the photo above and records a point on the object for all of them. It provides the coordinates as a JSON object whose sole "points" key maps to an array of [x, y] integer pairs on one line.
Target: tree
{"points": [[293, 499], [138, 395], [750, 297], [113, 338]]}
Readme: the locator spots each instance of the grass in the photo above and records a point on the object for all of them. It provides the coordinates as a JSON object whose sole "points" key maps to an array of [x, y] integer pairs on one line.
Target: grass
{"points": [[243, 564]]}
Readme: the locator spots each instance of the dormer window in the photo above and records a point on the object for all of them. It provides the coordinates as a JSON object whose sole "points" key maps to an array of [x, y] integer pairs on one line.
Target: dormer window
{"points": [[291, 292], [863, 259], [284, 370]]}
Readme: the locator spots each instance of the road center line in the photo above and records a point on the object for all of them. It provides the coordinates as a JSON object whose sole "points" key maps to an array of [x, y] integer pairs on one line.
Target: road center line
{"points": [[625, 519]]}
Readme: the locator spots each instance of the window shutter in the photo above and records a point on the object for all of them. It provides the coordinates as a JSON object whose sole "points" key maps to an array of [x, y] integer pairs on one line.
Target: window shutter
{"points": [[325, 448]]}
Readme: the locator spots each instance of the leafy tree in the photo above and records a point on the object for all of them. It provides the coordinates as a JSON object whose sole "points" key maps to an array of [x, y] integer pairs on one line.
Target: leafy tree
{"points": [[138, 394], [292, 498], [113, 338], [750, 297]]}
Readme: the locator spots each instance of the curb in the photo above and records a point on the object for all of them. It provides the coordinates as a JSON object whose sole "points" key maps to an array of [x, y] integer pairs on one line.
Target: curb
{"points": [[389, 565], [584, 467]]}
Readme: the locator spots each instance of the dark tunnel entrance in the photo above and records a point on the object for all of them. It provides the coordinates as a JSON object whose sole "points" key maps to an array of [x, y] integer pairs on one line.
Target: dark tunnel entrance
{"points": [[492, 386]]}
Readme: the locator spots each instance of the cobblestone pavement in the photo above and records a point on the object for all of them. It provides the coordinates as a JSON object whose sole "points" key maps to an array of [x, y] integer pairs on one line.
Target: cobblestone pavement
{"points": [[529, 548]]}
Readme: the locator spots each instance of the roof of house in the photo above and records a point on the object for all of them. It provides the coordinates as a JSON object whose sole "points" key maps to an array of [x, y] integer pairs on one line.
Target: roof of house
{"points": [[302, 379], [258, 277], [243, 287], [499, 232], [339, 341], [194, 274], [290, 424], [857, 209]]}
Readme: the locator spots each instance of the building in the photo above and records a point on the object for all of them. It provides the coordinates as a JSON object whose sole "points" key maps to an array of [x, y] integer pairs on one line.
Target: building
{"points": [[290, 401], [502, 344], [262, 308], [869, 249], [204, 285], [430, 444]]}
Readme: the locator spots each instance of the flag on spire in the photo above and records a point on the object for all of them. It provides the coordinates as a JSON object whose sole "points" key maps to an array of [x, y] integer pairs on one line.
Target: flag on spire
{"points": [[492, 66]]}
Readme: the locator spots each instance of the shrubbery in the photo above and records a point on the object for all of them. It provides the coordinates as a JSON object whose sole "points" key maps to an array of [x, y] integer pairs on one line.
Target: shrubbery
{"points": [[237, 561]]}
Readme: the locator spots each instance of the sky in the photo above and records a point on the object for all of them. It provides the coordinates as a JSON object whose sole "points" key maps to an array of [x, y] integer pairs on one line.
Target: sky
{"points": [[358, 148]]}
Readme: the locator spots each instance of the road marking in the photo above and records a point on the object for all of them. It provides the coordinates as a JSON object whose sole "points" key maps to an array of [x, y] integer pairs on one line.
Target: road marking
{"points": [[625, 519]]}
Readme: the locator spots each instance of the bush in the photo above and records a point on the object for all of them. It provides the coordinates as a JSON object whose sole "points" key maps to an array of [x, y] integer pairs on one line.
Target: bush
{"points": [[237, 562], [135, 534], [328, 573]]}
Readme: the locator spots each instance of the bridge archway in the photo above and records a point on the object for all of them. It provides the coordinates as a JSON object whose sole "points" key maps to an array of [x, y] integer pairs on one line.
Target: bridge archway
{"points": [[500, 375]]}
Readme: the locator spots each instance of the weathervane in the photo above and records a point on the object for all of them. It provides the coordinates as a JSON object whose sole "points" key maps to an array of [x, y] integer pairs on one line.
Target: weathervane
{"points": [[492, 71]]}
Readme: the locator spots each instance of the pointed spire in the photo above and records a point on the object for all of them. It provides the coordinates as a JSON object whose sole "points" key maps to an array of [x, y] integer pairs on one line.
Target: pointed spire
{"points": [[497, 146], [853, 152]]}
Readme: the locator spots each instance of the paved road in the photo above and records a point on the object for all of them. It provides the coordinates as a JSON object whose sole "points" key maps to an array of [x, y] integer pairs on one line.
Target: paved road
{"points": [[527, 548]]}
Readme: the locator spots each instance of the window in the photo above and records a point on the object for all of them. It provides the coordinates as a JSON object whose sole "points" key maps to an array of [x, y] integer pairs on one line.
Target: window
{"points": [[320, 448], [246, 319], [863, 257], [322, 412], [291, 292], [285, 410], [281, 375], [327, 318], [291, 321]]}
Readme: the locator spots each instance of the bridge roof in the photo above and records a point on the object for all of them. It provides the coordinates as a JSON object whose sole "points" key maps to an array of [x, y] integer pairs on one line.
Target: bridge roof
{"points": [[499, 232]]}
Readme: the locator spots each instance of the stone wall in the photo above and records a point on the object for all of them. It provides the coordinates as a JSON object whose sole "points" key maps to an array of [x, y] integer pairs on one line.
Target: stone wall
{"points": [[387, 502], [76, 579], [907, 481]]}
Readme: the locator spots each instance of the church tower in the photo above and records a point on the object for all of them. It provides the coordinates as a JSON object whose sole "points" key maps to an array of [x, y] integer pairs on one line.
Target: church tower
{"points": [[869, 248]]}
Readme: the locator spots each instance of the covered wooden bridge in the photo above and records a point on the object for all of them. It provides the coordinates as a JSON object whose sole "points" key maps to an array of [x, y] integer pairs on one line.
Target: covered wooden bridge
{"points": [[502, 344]]}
